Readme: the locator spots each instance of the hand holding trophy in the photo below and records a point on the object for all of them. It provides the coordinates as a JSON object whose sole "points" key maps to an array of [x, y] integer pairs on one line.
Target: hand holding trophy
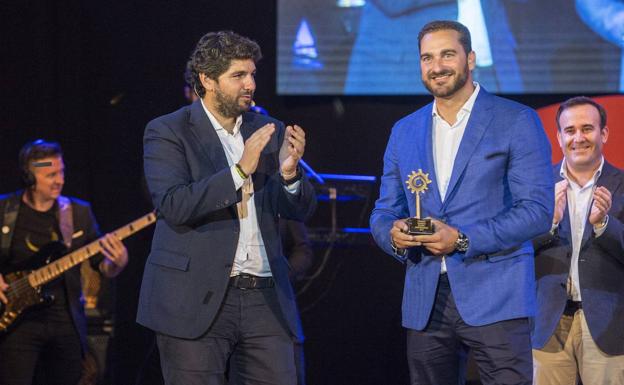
{"points": [[417, 183]]}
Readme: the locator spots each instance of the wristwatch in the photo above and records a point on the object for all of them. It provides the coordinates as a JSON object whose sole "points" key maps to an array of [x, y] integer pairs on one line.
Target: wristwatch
{"points": [[288, 182], [462, 242], [397, 252]]}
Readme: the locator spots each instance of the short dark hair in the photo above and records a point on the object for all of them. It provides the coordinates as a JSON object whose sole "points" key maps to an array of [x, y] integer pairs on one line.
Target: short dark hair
{"points": [[579, 101], [442, 25], [35, 150], [213, 55]]}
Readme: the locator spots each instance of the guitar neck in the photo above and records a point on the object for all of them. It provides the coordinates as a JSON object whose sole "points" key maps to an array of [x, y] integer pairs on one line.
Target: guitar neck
{"points": [[53, 270]]}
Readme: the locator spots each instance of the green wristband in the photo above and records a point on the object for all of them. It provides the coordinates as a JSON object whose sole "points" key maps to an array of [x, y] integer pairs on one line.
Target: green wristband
{"points": [[240, 171]]}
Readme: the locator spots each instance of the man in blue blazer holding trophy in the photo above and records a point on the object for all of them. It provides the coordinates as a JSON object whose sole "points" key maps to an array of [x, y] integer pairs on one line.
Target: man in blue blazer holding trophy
{"points": [[466, 186]]}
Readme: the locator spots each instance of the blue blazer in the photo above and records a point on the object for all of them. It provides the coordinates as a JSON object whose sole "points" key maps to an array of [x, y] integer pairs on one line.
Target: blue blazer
{"points": [[500, 195], [196, 235], [601, 272]]}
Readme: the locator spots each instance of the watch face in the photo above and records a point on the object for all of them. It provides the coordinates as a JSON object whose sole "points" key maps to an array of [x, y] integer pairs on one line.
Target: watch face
{"points": [[462, 243]]}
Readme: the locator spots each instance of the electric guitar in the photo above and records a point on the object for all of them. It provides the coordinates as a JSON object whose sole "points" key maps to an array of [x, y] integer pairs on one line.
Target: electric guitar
{"points": [[25, 286]]}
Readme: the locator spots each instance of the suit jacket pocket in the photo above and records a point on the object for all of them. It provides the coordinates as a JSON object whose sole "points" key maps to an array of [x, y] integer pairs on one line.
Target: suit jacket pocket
{"points": [[509, 253], [169, 259], [493, 156]]}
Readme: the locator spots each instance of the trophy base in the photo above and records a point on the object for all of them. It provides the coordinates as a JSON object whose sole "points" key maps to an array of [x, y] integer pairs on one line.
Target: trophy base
{"points": [[418, 226]]}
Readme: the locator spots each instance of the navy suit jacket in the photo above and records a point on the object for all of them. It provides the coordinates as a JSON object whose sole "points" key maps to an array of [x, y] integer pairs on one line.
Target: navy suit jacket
{"points": [[196, 235], [601, 272], [499, 195]]}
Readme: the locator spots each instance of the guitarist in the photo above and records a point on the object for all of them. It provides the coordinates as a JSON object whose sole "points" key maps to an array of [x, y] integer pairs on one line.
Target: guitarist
{"points": [[50, 337]]}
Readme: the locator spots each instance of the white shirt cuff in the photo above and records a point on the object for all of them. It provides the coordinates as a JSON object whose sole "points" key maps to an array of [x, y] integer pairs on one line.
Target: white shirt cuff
{"points": [[293, 188]]}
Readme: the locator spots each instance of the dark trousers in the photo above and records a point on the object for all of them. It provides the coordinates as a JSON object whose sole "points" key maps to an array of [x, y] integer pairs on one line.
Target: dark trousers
{"points": [[248, 342], [150, 372], [53, 346], [437, 354]]}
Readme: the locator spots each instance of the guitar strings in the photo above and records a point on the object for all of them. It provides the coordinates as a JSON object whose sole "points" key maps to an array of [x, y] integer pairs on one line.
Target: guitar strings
{"points": [[22, 284]]}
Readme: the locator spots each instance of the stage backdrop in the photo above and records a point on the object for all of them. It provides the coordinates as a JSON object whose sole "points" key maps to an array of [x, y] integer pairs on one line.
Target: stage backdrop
{"points": [[364, 47], [92, 74]]}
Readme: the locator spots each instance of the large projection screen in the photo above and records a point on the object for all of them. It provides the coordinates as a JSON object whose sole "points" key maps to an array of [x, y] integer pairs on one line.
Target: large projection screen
{"points": [[369, 47]]}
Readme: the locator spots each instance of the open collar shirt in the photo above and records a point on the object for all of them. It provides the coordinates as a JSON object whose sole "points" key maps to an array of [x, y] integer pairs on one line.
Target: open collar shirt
{"points": [[446, 140]]}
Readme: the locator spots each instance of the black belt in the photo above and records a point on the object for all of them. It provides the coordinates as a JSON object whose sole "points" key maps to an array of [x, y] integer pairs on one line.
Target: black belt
{"points": [[248, 281], [572, 307]]}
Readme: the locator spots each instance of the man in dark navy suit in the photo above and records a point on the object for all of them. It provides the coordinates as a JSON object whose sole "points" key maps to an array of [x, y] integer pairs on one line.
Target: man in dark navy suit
{"points": [[216, 288], [579, 264]]}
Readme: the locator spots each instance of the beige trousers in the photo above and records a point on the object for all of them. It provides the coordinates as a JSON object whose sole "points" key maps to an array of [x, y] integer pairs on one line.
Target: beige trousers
{"points": [[571, 354]]}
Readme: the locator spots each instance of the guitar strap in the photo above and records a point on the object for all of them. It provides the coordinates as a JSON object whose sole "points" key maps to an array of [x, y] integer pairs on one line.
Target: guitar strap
{"points": [[8, 223], [11, 209], [66, 219]]}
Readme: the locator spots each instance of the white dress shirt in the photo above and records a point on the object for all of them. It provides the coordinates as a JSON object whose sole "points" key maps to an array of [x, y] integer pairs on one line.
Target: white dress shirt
{"points": [[446, 140], [579, 199], [251, 256]]}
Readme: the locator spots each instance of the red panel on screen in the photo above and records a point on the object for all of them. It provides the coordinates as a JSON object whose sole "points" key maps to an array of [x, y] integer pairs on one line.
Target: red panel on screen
{"points": [[614, 149]]}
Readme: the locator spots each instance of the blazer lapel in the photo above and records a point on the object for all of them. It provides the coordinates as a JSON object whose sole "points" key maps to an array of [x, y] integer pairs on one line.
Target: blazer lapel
{"points": [[608, 180], [478, 122], [247, 128], [430, 162], [207, 137], [608, 177], [419, 151], [565, 228]]}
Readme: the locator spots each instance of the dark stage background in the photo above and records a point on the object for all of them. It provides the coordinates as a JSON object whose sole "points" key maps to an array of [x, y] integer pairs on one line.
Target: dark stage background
{"points": [[92, 74]]}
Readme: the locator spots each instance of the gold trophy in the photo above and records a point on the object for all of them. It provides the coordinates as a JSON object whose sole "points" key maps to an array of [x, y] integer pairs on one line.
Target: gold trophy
{"points": [[417, 183]]}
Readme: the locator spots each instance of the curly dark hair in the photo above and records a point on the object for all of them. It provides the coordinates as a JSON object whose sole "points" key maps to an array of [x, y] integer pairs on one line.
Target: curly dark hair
{"points": [[443, 25], [213, 54]]}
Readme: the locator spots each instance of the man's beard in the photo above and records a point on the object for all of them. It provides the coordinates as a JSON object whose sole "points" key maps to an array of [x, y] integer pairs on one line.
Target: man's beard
{"points": [[444, 92], [228, 106]]}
